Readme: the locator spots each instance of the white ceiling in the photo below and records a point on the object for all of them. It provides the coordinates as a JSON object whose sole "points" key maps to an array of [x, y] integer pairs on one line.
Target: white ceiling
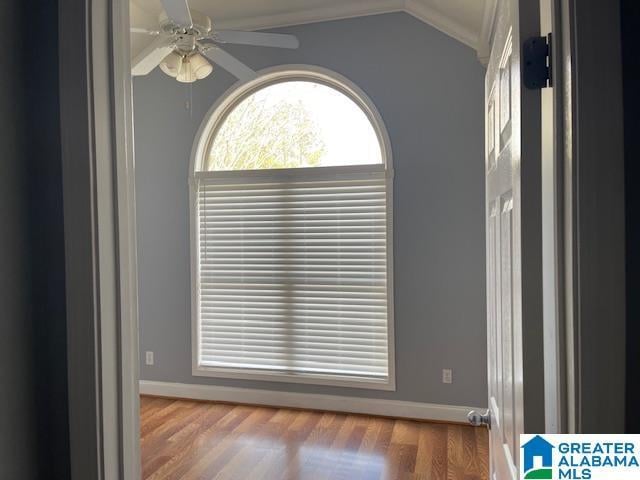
{"points": [[468, 21]]}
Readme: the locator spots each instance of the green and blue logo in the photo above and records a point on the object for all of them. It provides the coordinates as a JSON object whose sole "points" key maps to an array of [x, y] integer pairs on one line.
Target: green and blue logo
{"points": [[580, 457], [537, 458]]}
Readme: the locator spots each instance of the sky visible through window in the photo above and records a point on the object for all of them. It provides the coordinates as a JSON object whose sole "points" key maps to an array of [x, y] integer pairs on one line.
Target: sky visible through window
{"points": [[294, 124]]}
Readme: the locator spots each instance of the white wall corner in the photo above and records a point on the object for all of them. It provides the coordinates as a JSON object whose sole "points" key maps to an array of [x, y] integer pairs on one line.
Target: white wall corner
{"points": [[441, 22], [368, 406]]}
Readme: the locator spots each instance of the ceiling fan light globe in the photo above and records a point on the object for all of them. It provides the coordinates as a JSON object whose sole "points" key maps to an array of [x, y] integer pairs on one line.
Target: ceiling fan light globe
{"points": [[201, 67], [187, 73], [172, 64]]}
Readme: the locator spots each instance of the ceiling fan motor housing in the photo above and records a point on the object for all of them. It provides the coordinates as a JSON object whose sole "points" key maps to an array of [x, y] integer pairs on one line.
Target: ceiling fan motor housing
{"points": [[201, 25], [185, 37]]}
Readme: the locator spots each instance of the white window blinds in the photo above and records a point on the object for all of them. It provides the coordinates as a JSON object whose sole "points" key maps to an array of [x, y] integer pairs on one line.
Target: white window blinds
{"points": [[292, 272]]}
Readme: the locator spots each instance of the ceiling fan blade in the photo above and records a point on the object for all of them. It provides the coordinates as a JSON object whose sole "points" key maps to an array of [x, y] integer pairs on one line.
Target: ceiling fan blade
{"points": [[178, 11], [230, 63], [276, 40], [146, 31], [151, 56]]}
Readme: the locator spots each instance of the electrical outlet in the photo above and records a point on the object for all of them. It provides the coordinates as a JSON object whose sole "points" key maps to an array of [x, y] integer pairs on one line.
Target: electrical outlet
{"points": [[149, 358], [447, 375]]}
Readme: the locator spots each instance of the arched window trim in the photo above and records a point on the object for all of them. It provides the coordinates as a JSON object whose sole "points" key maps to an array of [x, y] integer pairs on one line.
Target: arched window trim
{"points": [[214, 118]]}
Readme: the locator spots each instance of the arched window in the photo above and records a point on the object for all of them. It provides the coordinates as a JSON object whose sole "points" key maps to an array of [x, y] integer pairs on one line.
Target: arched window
{"points": [[291, 233]]}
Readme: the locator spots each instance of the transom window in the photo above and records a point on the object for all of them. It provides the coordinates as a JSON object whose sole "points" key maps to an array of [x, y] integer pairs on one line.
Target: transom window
{"points": [[291, 217]]}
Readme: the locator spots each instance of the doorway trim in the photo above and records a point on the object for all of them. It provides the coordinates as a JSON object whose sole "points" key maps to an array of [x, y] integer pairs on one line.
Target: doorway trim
{"points": [[100, 239], [594, 224], [100, 244]]}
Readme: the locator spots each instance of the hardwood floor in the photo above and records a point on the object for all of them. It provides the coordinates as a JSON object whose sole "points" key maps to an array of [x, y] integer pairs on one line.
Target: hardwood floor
{"points": [[184, 439]]}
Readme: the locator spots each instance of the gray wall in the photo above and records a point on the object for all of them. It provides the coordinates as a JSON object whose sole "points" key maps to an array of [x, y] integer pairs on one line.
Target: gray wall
{"points": [[429, 90], [33, 383]]}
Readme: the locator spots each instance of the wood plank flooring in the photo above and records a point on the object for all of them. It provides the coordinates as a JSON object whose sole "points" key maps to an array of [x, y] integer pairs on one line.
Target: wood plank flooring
{"points": [[184, 439]]}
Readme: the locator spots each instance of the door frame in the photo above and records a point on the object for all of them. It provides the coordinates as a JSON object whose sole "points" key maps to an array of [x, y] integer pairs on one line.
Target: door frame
{"points": [[594, 223], [100, 235], [100, 239], [552, 162]]}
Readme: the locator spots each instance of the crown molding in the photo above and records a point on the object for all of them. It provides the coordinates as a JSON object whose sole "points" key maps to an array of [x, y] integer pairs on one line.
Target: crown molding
{"points": [[441, 22], [347, 9], [486, 31], [354, 8]]}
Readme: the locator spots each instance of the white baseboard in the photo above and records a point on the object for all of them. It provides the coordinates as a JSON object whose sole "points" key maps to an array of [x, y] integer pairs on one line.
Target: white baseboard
{"points": [[388, 408]]}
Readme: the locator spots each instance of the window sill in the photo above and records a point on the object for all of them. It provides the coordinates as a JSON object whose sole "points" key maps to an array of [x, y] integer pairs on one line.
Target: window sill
{"points": [[387, 384]]}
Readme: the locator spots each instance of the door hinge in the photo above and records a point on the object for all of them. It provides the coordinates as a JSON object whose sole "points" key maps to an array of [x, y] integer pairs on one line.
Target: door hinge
{"points": [[536, 62]]}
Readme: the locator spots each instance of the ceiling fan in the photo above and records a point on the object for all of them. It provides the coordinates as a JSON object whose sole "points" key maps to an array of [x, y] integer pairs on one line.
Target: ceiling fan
{"points": [[186, 43]]}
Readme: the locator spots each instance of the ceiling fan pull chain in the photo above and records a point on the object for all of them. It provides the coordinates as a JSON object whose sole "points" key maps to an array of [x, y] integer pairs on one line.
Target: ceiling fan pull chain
{"points": [[188, 99]]}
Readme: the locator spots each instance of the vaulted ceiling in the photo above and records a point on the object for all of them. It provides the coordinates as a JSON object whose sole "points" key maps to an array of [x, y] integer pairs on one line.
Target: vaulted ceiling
{"points": [[468, 21]]}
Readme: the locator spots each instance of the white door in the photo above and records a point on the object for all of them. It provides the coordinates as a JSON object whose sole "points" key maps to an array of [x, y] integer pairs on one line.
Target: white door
{"points": [[513, 228]]}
